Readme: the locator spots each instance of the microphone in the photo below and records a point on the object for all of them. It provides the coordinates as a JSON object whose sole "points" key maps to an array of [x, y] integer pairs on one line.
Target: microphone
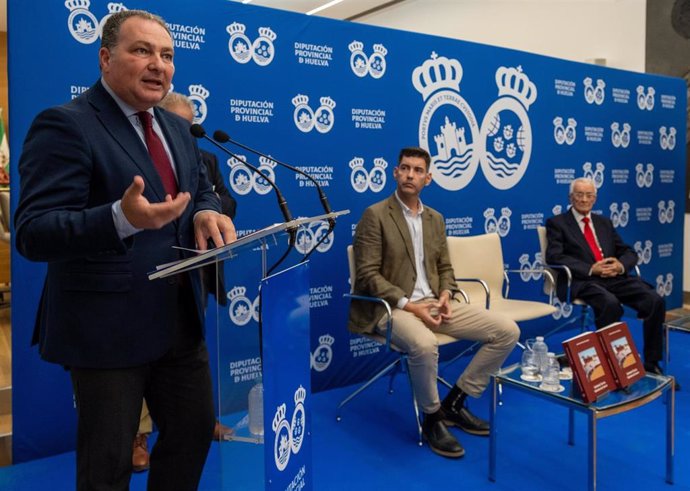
{"points": [[198, 131], [223, 137]]}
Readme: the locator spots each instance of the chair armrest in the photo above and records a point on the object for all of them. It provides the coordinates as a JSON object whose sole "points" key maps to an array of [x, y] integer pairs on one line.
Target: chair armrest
{"points": [[484, 284], [463, 294], [389, 313], [568, 274], [543, 271]]}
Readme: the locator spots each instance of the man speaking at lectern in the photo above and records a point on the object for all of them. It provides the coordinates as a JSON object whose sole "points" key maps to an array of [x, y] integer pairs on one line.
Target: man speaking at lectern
{"points": [[109, 185]]}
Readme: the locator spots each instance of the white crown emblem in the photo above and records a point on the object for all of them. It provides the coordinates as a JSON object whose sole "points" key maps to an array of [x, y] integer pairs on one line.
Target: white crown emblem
{"points": [[506, 212], [77, 4], [279, 416], [300, 100], [355, 46], [326, 101], [380, 49], [572, 123], [300, 395], [380, 162], [489, 212], [512, 82], [198, 90], [437, 73], [640, 89], [356, 162], [267, 162], [236, 28], [236, 161], [267, 33], [114, 8], [326, 339], [587, 81], [237, 291]]}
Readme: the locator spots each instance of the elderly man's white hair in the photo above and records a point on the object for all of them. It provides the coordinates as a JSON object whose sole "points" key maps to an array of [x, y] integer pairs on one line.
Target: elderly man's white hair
{"points": [[584, 180]]}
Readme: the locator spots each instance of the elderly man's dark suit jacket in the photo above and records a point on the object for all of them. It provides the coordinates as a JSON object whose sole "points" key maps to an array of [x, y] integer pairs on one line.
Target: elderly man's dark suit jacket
{"points": [[97, 299], [384, 259], [567, 246]]}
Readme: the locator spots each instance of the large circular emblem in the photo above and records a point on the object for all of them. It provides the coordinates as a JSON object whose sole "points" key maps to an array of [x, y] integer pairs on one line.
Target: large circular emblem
{"points": [[448, 130]]}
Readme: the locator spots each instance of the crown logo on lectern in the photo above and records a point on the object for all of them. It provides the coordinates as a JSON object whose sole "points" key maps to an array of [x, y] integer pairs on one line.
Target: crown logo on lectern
{"points": [[506, 212], [327, 102], [356, 162], [326, 339], [235, 28], [489, 212], [237, 291], [355, 46], [267, 33], [114, 8], [300, 100], [279, 416], [77, 4], [300, 395], [380, 162], [267, 162], [437, 73], [198, 90], [514, 83], [380, 49]]}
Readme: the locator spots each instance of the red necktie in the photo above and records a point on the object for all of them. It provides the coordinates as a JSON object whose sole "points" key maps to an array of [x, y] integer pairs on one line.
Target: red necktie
{"points": [[158, 154], [589, 237]]}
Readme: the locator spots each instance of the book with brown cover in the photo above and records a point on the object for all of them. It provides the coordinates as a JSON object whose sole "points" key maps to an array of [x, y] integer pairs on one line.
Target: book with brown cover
{"points": [[622, 354], [591, 370]]}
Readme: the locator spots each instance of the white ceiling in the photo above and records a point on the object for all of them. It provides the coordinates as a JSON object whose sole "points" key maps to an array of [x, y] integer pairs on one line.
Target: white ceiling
{"points": [[344, 10]]}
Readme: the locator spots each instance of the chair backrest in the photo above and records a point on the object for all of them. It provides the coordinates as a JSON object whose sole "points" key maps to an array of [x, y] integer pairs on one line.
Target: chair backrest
{"points": [[351, 267], [478, 256], [549, 287]]}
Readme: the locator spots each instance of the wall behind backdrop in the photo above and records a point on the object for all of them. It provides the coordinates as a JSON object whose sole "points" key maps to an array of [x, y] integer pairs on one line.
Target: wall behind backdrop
{"points": [[507, 130]]}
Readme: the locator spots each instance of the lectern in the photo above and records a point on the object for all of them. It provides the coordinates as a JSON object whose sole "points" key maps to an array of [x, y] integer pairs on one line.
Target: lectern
{"points": [[262, 340]]}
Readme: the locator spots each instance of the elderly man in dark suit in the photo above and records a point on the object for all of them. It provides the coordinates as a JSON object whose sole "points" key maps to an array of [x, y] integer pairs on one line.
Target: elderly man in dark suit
{"points": [[109, 185], [600, 261], [401, 255]]}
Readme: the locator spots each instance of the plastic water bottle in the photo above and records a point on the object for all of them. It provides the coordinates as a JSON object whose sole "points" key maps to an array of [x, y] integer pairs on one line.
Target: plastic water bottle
{"points": [[256, 409], [550, 378], [540, 353]]}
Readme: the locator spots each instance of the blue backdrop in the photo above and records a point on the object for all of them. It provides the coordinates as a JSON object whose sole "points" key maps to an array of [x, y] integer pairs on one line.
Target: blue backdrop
{"points": [[507, 131]]}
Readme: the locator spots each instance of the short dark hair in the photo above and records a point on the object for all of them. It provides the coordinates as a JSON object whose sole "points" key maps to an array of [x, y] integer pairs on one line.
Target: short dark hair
{"points": [[415, 152], [111, 29]]}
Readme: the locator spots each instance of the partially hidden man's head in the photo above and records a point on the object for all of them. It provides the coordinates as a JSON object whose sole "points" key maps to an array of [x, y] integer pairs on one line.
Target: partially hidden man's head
{"points": [[136, 57], [179, 104], [412, 172]]}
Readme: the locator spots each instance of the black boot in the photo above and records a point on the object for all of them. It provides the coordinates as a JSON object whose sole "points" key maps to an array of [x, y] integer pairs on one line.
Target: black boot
{"points": [[440, 439], [456, 414]]}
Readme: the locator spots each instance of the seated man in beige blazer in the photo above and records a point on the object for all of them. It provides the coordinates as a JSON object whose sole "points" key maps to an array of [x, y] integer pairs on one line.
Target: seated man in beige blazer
{"points": [[401, 255]]}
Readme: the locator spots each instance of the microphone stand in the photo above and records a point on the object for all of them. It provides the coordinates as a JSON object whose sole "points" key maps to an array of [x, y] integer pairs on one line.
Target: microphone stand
{"points": [[198, 132], [223, 137]]}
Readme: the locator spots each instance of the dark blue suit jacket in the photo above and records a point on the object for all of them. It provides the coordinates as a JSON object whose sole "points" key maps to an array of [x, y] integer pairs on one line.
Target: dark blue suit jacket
{"points": [[567, 246], [98, 308]]}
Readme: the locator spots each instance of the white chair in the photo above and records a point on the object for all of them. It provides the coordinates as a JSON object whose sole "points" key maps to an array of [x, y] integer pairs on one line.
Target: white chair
{"points": [[554, 270], [400, 362], [479, 269]]}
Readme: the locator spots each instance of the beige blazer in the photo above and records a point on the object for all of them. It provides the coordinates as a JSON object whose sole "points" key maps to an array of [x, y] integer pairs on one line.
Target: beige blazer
{"points": [[384, 260]]}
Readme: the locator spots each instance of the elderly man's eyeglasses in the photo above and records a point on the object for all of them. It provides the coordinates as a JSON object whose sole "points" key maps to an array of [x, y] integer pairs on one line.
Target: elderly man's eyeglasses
{"points": [[580, 195]]}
